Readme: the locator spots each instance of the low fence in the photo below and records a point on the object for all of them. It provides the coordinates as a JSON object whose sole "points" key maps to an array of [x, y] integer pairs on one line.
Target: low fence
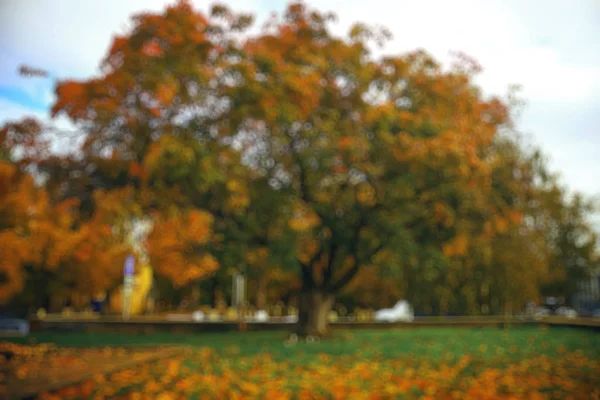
{"points": [[148, 325]]}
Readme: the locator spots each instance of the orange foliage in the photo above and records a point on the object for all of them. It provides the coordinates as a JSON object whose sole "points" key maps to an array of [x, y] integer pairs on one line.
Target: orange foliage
{"points": [[152, 49], [71, 98], [17, 202], [98, 259], [37, 233], [456, 247], [303, 218], [137, 170], [515, 217], [14, 252], [345, 142], [459, 368], [178, 247], [165, 92], [325, 114]]}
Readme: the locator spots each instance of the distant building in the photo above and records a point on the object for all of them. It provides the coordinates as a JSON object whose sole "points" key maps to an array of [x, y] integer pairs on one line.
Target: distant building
{"points": [[588, 296]]}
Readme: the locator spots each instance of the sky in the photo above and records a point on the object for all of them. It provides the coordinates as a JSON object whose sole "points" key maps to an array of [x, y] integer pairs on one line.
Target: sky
{"points": [[553, 52]]}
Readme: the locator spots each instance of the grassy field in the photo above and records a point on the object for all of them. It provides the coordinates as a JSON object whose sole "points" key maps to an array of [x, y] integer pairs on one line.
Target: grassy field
{"points": [[432, 363]]}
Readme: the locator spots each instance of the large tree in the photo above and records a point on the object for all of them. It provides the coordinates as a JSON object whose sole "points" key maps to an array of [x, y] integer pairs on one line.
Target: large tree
{"points": [[153, 118], [381, 161], [296, 152], [369, 161], [47, 249]]}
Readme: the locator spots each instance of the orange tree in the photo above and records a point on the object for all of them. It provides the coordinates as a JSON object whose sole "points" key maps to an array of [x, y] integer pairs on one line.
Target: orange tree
{"points": [[554, 246], [379, 161], [157, 122], [16, 196], [151, 124], [297, 151], [361, 161], [47, 249]]}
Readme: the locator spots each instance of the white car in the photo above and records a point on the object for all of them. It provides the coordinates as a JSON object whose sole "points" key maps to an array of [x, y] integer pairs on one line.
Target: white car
{"points": [[541, 312], [566, 312], [198, 316], [261, 316], [402, 311], [290, 319]]}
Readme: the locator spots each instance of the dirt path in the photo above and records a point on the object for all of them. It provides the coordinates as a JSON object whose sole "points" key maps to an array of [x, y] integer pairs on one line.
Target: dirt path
{"points": [[28, 370]]}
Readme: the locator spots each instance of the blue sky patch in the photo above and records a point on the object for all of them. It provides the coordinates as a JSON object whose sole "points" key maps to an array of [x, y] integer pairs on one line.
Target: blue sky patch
{"points": [[23, 98]]}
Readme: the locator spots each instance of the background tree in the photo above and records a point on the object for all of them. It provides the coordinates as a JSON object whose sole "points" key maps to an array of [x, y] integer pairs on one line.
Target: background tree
{"points": [[381, 160], [17, 195], [155, 113]]}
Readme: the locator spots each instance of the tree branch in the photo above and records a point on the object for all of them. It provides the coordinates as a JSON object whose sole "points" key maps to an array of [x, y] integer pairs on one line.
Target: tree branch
{"points": [[346, 278], [308, 281], [328, 273], [353, 251], [351, 273], [376, 250], [339, 193], [304, 192]]}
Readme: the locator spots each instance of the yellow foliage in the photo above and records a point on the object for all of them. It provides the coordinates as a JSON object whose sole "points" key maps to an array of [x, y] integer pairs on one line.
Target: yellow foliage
{"points": [[323, 197], [257, 256], [303, 218], [366, 194], [167, 144]]}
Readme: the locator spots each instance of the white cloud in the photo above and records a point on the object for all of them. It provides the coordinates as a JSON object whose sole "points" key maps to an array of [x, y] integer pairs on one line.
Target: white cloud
{"points": [[65, 139], [10, 111], [70, 37]]}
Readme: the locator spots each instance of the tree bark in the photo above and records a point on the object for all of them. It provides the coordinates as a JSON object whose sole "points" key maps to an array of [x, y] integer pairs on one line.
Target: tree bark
{"points": [[195, 295], [261, 293], [214, 286], [313, 310]]}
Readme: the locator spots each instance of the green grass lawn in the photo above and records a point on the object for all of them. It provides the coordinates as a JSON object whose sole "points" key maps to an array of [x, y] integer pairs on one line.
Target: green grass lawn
{"points": [[418, 342], [522, 362]]}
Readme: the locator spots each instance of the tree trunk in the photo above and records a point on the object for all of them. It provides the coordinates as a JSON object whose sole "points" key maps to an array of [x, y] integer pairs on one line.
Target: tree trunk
{"points": [[214, 286], [261, 293], [195, 296], [313, 311]]}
